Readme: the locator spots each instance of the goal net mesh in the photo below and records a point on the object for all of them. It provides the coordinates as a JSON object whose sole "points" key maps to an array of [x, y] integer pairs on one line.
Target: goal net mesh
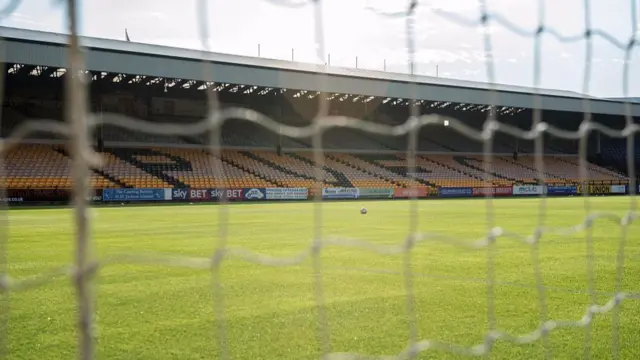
{"points": [[80, 121]]}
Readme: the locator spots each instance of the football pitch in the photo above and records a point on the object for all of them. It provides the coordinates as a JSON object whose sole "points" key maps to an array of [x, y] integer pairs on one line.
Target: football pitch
{"points": [[163, 311]]}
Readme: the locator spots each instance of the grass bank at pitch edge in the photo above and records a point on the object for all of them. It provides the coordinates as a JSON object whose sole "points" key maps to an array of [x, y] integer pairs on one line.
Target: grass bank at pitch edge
{"points": [[265, 202]]}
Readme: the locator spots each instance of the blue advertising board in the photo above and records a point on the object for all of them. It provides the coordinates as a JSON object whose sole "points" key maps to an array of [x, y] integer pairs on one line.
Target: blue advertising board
{"points": [[286, 193], [455, 192], [562, 190], [340, 193], [179, 194], [133, 194], [254, 194]]}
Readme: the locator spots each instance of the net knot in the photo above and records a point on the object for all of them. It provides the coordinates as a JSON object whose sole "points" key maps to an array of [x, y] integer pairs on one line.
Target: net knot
{"points": [[413, 5], [540, 128], [413, 124], [588, 222], [588, 33], [5, 282], [484, 18], [627, 219], [84, 274], [412, 351], [535, 237], [215, 119], [495, 233], [411, 241], [316, 247], [629, 130], [632, 42], [619, 298], [490, 127], [217, 257], [584, 128], [549, 326]]}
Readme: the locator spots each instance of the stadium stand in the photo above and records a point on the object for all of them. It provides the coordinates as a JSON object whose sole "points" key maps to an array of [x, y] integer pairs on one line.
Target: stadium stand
{"points": [[198, 170], [569, 167], [128, 174], [398, 178], [42, 167], [286, 170], [253, 156], [46, 166]]}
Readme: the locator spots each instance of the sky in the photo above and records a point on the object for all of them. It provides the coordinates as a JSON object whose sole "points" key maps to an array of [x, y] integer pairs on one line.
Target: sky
{"points": [[374, 32]]}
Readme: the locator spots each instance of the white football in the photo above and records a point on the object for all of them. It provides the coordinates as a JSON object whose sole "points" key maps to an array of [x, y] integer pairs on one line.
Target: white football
{"points": [[363, 211]]}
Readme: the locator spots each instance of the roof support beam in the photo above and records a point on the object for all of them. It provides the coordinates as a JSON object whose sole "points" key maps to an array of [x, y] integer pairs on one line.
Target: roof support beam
{"points": [[25, 70], [47, 49]]}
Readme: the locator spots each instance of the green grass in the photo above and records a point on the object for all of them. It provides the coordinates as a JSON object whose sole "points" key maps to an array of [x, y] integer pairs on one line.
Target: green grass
{"points": [[167, 312]]}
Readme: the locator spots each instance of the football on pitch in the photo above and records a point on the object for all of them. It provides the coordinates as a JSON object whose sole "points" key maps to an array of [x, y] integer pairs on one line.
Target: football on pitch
{"points": [[363, 211]]}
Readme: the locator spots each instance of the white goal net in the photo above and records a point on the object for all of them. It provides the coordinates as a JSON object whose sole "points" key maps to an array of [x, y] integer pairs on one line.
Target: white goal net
{"points": [[80, 122]]}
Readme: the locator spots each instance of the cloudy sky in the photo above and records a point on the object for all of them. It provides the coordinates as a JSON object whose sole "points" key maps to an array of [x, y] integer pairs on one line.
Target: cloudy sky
{"points": [[360, 28]]}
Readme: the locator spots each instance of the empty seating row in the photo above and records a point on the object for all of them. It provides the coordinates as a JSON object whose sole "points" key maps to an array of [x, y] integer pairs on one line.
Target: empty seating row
{"points": [[40, 166], [209, 172], [47, 166]]}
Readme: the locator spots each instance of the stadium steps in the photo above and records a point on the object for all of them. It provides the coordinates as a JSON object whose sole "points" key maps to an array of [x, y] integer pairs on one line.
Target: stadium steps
{"points": [[371, 158], [181, 164], [97, 171], [296, 141], [370, 173], [463, 161], [403, 171], [190, 140], [382, 144], [395, 170], [276, 166], [610, 162], [561, 147], [612, 166], [253, 172], [450, 168], [343, 181], [578, 164], [152, 169], [546, 174], [438, 143], [552, 148]]}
